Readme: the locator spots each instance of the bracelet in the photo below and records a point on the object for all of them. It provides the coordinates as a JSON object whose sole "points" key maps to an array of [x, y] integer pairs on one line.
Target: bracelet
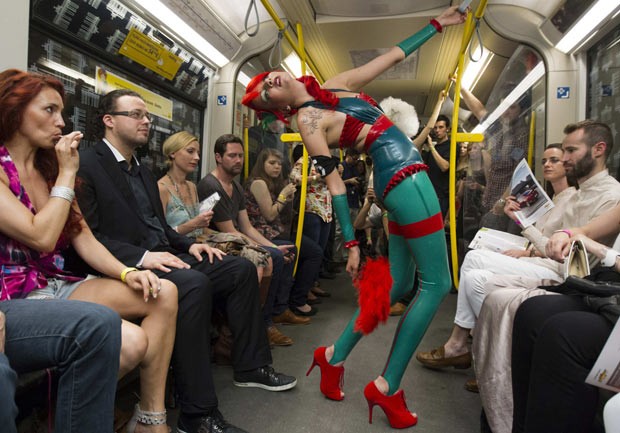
{"points": [[282, 197], [125, 272], [351, 244], [568, 232], [437, 25], [63, 192]]}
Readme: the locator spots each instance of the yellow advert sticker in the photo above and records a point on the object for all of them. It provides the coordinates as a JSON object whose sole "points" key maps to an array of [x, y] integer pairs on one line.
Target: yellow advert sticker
{"points": [[150, 54], [106, 81]]}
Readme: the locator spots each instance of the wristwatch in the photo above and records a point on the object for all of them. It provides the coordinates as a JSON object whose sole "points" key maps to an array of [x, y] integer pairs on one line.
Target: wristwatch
{"points": [[502, 201], [610, 258]]}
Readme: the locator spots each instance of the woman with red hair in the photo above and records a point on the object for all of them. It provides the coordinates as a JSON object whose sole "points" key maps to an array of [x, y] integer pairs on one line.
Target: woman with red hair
{"points": [[39, 222], [336, 114]]}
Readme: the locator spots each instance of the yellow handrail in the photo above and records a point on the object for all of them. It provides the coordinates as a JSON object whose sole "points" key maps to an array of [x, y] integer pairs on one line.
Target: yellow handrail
{"points": [[297, 47], [455, 136], [532, 139]]}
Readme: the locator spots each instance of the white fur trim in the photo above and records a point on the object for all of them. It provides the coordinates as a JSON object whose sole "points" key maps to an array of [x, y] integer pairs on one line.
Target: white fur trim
{"points": [[402, 114]]}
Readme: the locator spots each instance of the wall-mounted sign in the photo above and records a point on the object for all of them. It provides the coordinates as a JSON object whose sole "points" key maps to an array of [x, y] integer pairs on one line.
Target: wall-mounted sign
{"points": [[150, 54], [563, 93], [221, 100], [106, 81]]}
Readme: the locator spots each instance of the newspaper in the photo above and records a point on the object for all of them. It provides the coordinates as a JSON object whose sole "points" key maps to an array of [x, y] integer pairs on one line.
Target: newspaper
{"points": [[498, 241], [606, 370], [532, 198]]}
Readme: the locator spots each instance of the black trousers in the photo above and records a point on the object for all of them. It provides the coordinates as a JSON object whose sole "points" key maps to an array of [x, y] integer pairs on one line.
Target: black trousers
{"points": [[231, 282], [556, 341]]}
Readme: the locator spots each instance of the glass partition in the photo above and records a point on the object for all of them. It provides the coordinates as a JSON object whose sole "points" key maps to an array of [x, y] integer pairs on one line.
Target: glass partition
{"points": [[513, 126]]}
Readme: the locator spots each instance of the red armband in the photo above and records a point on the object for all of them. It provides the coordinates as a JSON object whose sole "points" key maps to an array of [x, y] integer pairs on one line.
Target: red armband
{"points": [[351, 244], [436, 24]]}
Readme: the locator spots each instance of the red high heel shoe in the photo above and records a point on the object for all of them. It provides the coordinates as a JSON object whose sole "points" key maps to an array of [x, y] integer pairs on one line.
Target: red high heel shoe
{"points": [[394, 406], [332, 377]]}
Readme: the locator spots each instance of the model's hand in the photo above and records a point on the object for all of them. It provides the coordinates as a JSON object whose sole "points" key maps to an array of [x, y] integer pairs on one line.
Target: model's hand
{"points": [[452, 16], [2, 331], [146, 281], [196, 250], [163, 261], [353, 262], [67, 152], [558, 246]]}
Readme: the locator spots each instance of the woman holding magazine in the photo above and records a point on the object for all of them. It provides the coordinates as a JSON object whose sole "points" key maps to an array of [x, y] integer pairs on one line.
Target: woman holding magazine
{"points": [[479, 265]]}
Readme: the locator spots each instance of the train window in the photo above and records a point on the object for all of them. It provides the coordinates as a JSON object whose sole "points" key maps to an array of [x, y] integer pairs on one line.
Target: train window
{"points": [[79, 44], [513, 127], [603, 102]]}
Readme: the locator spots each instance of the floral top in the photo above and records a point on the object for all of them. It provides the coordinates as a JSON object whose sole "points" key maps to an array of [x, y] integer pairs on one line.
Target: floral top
{"points": [[270, 230], [318, 197], [23, 269]]}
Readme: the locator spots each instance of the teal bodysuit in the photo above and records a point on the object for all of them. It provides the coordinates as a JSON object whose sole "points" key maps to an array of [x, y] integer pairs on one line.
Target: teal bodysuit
{"points": [[416, 233]]}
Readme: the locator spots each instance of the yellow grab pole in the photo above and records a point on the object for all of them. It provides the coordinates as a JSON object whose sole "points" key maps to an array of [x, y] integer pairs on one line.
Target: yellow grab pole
{"points": [[304, 165], [246, 152], [298, 48], [532, 139]]}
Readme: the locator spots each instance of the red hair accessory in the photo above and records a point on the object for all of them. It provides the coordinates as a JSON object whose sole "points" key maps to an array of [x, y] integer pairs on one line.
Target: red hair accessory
{"points": [[373, 284]]}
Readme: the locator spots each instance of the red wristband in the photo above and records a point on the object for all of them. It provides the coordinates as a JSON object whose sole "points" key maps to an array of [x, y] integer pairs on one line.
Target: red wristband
{"points": [[351, 244], [437, 26]]}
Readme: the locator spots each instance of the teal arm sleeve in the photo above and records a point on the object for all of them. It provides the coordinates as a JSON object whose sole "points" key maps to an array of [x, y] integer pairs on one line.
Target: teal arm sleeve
{"points": [[341, 209], [415, 41]]}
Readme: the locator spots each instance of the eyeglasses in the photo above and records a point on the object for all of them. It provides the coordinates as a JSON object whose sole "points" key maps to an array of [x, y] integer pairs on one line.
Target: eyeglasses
{"points": [[134, 114]]}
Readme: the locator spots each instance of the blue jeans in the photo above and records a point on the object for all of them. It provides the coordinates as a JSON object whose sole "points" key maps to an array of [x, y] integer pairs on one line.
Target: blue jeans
{"points": [[308, 268], [82, 340], [316, 229], [281, 282]]}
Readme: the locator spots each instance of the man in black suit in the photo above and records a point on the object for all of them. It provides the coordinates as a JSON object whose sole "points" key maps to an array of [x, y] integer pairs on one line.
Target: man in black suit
{"points": [[120, 201]]}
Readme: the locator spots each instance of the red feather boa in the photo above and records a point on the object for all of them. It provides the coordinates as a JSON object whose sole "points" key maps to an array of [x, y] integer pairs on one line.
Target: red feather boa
{"points": [[373, 283]]}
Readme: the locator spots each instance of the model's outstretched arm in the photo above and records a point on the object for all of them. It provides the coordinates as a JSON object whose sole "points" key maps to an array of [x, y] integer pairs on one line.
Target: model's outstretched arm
{"points": [[357, 78]]}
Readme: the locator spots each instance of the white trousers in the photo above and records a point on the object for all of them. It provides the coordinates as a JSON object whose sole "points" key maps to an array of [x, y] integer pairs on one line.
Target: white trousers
{"points": [[477, 268]]}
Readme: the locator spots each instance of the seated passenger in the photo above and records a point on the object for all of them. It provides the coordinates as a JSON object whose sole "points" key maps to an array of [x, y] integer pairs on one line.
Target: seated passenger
{"points": [[318, 216], [230, 216], [40, 222], [556, 341], [120, 202], [492, 343], [181, 205], [586, 147], [87, 362], [266, 197]]}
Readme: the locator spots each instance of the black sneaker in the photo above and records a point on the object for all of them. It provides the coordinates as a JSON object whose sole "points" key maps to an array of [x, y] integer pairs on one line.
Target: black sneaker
{"points": [[266, 378], [212, 423]]}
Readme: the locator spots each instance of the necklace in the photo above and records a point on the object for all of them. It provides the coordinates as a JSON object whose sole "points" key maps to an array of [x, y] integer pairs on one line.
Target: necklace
{"points": [[177, 189]]}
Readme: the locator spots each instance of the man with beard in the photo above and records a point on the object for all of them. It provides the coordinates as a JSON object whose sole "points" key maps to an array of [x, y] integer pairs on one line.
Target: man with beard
{"points": [[120, 202], [587, 145], [230, 216]]}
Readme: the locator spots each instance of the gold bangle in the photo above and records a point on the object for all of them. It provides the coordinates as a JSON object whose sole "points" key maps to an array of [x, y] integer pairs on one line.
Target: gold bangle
{"points": [[282, 197], [125, 272]]}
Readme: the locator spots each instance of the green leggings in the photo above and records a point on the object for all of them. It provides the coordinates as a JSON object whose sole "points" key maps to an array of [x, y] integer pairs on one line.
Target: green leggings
{"points": [[411, 201]]}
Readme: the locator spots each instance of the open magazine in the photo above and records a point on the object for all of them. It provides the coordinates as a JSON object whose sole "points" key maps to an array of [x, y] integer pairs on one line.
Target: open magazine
{"points": [[532, 198], [498, 241], [606, 370]]}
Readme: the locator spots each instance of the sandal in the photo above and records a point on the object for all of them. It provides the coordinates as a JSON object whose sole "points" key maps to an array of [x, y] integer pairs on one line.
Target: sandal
{"points": [[145, 417]]}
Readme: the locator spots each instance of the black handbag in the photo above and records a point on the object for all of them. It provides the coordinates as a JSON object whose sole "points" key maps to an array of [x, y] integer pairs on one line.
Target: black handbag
{"points": [[599, 291]]}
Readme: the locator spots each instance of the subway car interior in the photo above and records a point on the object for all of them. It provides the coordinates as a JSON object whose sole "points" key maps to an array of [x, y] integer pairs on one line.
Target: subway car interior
{"points": [[546, 63]]}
